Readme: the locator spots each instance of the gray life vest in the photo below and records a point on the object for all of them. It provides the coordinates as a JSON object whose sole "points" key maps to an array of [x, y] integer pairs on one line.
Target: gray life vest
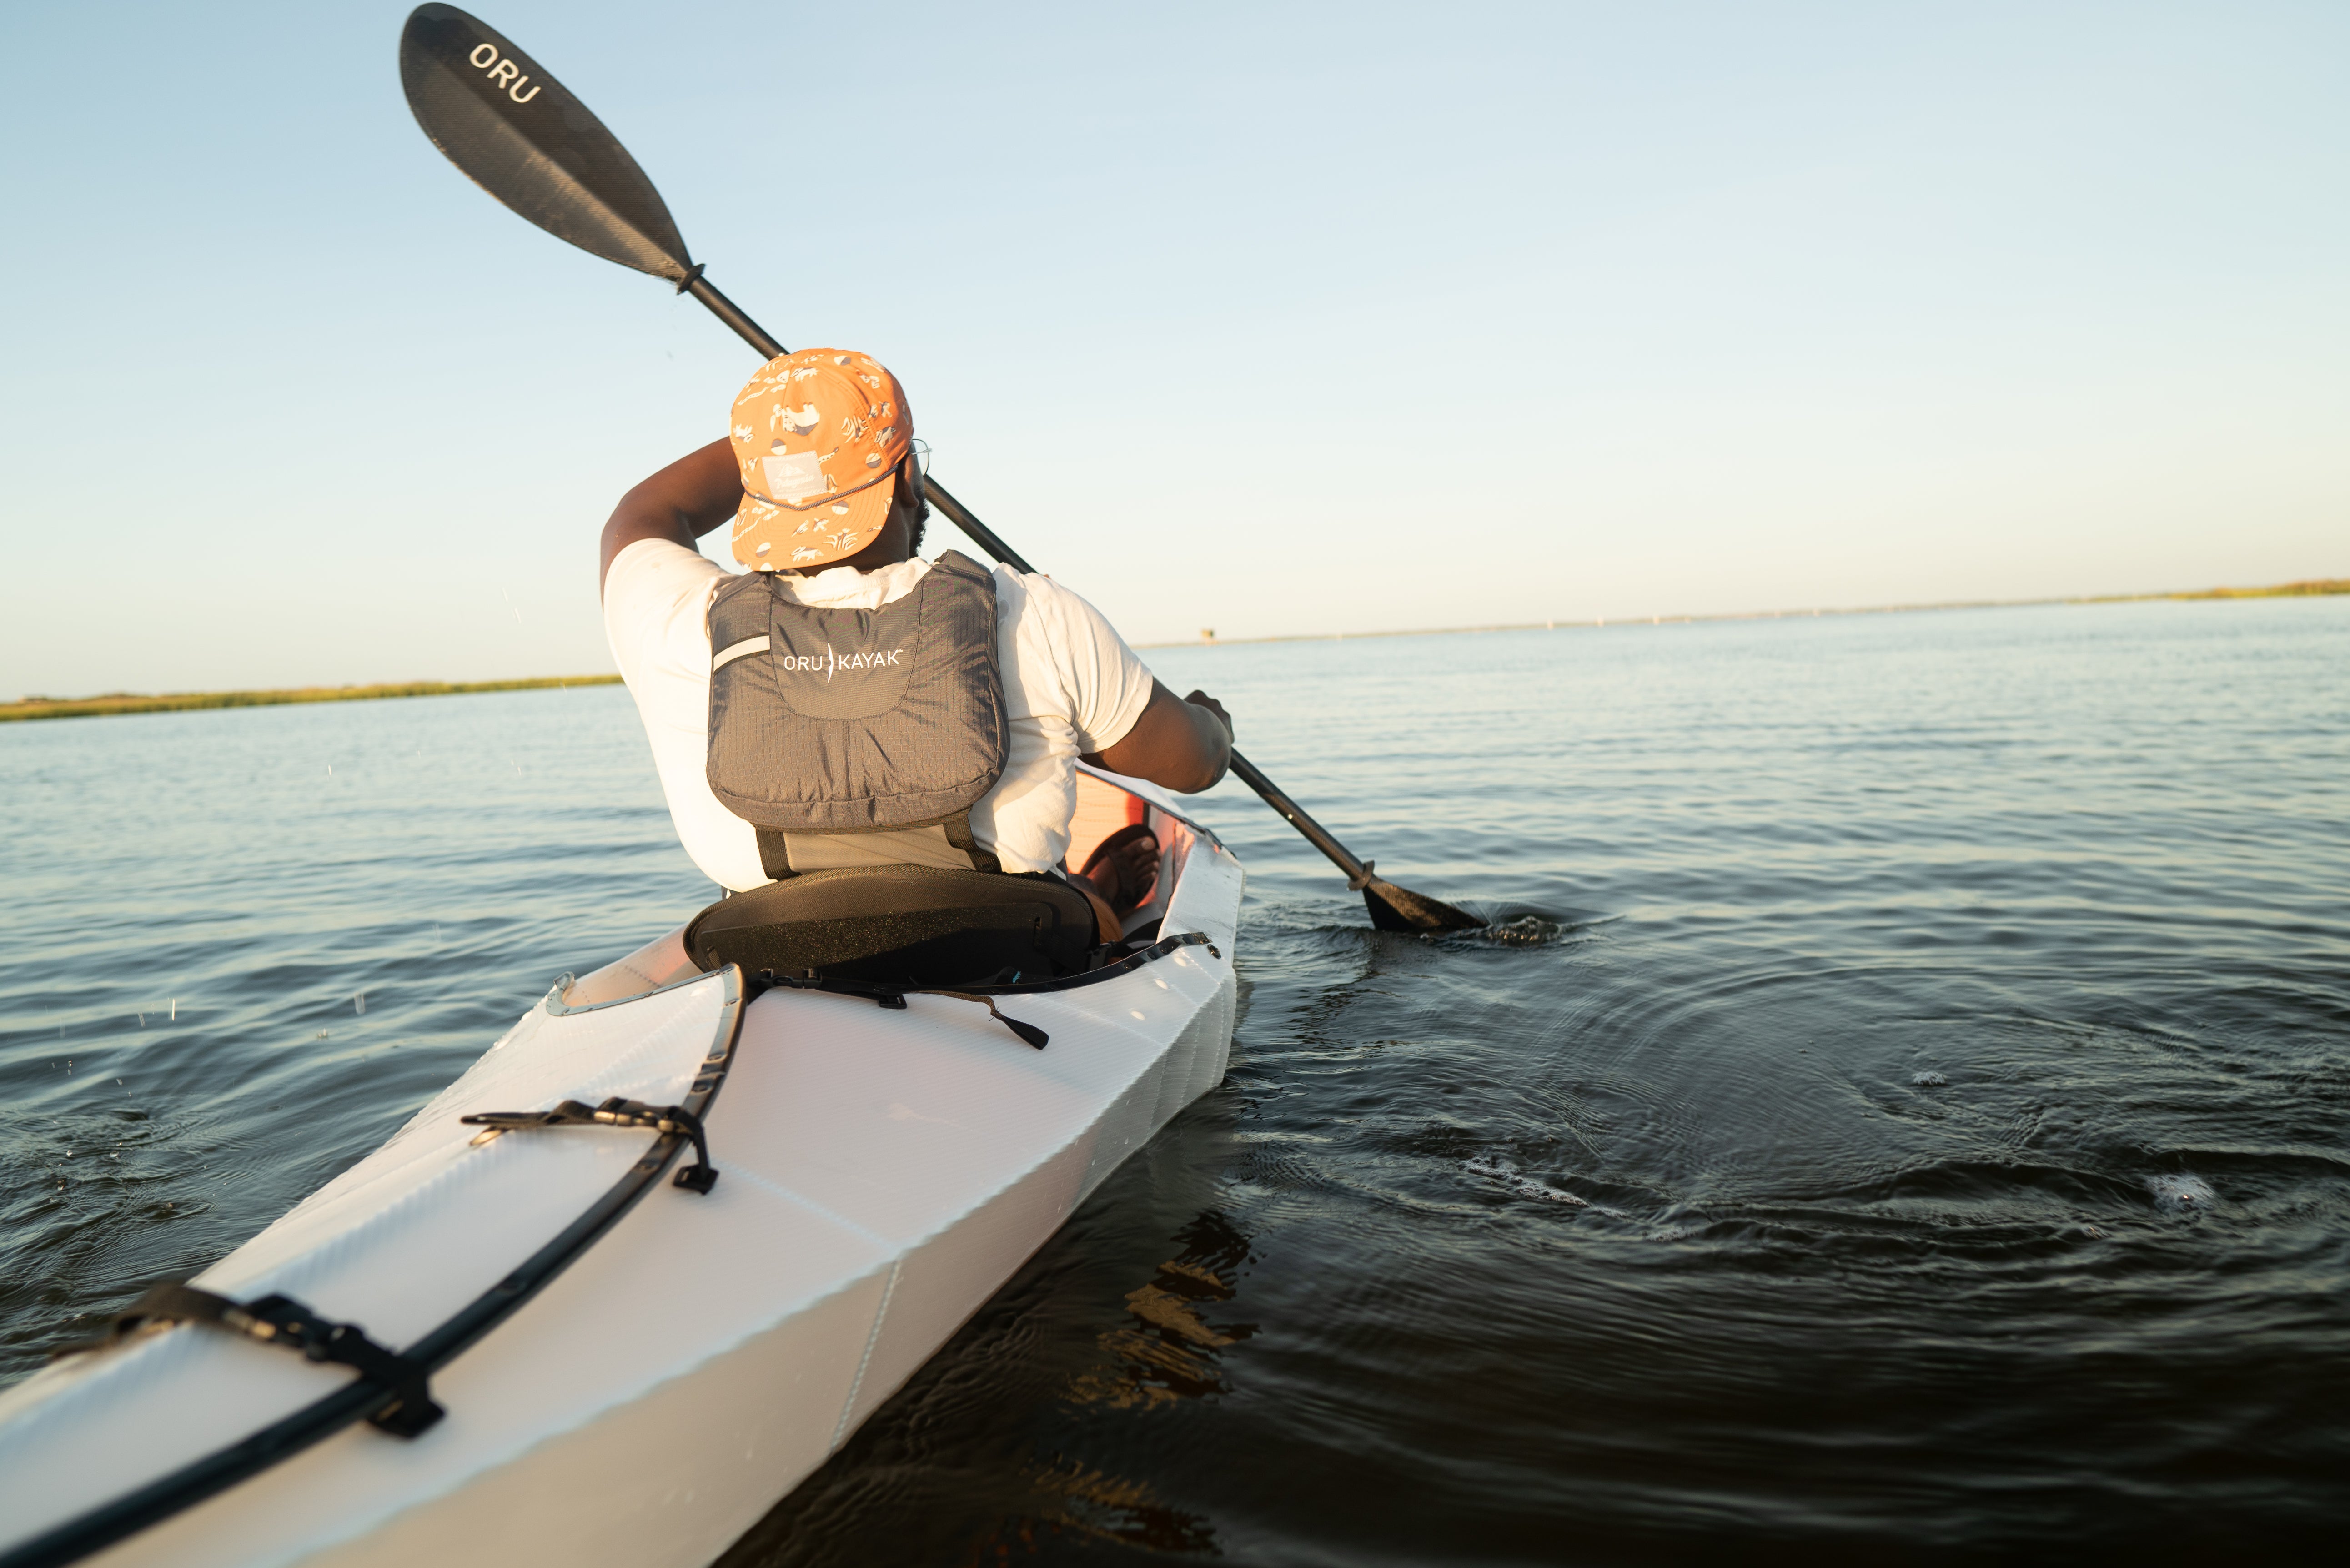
{"points": [[859, 737]]}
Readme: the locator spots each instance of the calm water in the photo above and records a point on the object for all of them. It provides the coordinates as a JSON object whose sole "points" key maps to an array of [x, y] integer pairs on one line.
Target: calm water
{"points": [[1911, 1117]]}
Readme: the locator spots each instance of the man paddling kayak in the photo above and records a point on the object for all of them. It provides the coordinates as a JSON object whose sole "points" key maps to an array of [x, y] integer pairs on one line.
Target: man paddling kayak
{"points": [[871, 708]]}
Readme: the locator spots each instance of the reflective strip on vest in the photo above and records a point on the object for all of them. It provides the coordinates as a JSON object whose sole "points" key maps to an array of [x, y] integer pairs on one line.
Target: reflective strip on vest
{"points": [[727, 656]]}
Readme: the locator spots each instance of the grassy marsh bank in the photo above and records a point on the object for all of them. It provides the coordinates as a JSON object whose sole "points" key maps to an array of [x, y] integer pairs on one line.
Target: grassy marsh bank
{"points": [[178, 702]]}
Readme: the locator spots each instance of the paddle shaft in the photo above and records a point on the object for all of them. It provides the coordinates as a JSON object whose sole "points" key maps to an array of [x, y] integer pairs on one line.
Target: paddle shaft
{"points": [[1356, 871], [751, 332], [729, 312]]}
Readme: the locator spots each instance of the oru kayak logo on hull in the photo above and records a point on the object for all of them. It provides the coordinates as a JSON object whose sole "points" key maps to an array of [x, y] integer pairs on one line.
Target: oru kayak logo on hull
{"points": [[502, 72], [832, 661]]}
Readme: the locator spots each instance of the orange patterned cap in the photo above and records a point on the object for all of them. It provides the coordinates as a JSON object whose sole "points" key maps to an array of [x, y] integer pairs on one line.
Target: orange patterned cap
{"points": [[818, 436]]}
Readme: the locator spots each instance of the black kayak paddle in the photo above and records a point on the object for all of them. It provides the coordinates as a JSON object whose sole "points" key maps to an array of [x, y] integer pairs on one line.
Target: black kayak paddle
{"points": [[520, 135]]}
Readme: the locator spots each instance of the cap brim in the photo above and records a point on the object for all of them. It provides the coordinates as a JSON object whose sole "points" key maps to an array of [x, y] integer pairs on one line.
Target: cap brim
{"points": [[768, 538]]}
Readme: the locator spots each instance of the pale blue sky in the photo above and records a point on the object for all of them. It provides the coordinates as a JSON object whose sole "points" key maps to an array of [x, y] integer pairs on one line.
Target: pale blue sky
{"points": [[1274, 318]]}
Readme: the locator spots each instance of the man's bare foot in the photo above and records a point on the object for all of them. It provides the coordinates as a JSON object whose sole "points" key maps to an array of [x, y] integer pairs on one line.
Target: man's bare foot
{"points": [[1123, 873]]}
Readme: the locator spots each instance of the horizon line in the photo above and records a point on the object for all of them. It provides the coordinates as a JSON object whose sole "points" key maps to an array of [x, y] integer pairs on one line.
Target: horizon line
{"points": [[29, 708], [2308, 587]]}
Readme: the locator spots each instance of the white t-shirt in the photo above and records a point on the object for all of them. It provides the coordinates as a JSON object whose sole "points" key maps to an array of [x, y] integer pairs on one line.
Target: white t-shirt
{"points": [[1070, 685]]}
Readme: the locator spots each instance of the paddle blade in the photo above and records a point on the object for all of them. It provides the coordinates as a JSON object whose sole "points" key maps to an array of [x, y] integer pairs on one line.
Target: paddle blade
{"points": [[1395, 908], [521, 136]]}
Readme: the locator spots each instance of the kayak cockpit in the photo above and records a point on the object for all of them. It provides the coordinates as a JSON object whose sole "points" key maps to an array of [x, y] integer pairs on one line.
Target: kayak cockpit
{"points": [[923, 926]]}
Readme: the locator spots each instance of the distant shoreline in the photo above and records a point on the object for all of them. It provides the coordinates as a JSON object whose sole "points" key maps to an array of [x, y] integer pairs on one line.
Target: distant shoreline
{"points": [[182, 701], [2312, 587]]}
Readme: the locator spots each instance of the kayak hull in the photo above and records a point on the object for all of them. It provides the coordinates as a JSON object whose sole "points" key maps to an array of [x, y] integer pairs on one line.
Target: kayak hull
{"points": [[883, 1172], [683, 1470]]}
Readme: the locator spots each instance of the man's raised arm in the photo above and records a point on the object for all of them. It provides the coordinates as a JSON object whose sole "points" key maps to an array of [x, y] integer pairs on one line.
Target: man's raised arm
{"points": [[680, 503]]}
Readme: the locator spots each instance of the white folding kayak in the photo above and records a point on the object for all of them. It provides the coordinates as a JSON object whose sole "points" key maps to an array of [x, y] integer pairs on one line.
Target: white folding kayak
{"points": [[592, 1361]]}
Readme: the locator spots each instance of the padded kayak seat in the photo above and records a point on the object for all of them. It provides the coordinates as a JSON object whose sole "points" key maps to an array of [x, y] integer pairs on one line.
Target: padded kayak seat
{"points": [[901, 925]]}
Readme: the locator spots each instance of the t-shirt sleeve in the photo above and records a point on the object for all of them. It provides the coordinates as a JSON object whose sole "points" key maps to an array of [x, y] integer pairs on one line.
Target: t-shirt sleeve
{"points": [[1107, 686], [655, 599]]}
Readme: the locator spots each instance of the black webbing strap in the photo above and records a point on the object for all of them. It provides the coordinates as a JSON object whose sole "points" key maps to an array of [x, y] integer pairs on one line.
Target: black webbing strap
{"points": [[894, 996], [391, 1389], [958, 828], [616, 1111], [775, 854], [284, 1321], [1028, 1032]]}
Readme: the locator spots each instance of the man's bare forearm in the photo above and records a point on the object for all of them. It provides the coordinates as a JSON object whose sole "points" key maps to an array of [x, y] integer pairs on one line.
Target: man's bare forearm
{"points": [[688, 498], [1213, 727], [1184, 744]]}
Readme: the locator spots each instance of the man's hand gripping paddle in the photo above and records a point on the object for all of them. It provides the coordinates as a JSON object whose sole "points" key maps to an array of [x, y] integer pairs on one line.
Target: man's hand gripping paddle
{"points": [[520, 135]]}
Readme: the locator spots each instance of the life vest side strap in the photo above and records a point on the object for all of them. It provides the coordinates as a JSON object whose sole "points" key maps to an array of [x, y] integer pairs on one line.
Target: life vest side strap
{"points": [[775, 854], [958, 828]]}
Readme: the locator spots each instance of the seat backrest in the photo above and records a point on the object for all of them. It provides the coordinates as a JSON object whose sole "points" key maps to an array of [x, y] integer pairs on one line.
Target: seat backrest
{"points": [[901, 925]]}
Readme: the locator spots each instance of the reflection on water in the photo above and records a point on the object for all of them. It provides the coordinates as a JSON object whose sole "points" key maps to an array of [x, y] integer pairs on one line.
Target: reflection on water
{"points": [[1168, 1350], [1904, 1114], [1088, 1506], [1154, 1348]]}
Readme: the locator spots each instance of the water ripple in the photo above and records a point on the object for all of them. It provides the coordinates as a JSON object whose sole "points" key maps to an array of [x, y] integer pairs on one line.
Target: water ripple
{"points": [[1901, 1111]]}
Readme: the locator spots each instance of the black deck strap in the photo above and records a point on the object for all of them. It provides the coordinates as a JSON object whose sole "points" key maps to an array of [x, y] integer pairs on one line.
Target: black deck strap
{"points": [[891, 996], [377, 1394], [1028, 1032], [616, 1111], [894, 996], [284, 1321], [1133, 960]]}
